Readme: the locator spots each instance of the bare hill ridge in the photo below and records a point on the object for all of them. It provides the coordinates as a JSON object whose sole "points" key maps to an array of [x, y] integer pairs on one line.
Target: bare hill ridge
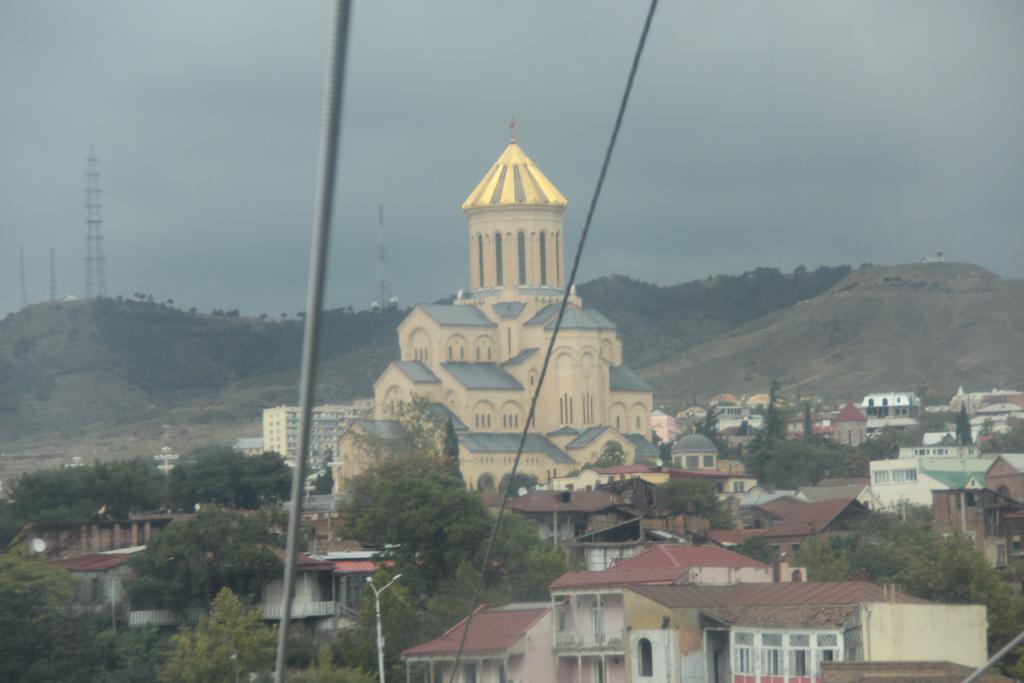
{"points": [[881, 327]]}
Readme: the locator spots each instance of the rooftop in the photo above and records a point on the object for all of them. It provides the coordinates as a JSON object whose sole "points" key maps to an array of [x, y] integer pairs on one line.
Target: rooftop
{"points": [[514, 180], [774, 594], [417, 372], [565, 501], [624, 379], [462, 315], [481, 376], [494, 629], [508, 442]]}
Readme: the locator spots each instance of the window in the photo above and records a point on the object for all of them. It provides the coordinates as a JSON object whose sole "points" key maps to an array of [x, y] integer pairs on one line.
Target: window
{"points": [[738, 486], [597, 621], [709, 462], [692, 462], [799, 648], [744, 649], [521, 239], [828, 645], [498, 270], [882, 477], [543, 261], [480, 259], [469, 673], [354, 592], [645, 656], [901, 476], [771, 654]]}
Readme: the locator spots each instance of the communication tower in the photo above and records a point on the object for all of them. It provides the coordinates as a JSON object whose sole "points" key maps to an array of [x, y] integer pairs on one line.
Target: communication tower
{"points": [[53, 274], [383, 297], [21, 262], [95, 278]]}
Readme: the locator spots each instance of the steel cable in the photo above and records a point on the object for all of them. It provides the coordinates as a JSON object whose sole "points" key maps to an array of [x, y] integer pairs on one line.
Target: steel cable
{"points": [[554, 335], [334, 86]]}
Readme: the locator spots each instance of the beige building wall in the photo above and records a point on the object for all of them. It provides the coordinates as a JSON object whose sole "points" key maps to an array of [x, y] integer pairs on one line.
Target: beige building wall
{"points": [[899, 632]]}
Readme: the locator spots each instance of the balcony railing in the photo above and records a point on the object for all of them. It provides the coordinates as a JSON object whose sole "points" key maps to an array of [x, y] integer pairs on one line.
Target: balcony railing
{"points": [[300, 610], [164, 617], [570, 641]]}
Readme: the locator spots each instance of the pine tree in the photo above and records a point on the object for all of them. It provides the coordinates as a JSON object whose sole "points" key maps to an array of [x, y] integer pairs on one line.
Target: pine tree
{"points": [[963, 428], [808, 423], [451, 449]]}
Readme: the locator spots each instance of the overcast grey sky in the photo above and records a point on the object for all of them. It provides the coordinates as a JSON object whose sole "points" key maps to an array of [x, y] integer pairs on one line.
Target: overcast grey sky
{"points": [[760, 133]]}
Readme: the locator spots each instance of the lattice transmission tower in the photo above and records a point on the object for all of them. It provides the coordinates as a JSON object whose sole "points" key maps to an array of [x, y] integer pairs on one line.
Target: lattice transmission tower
{"points": [[383, 296], [95, 277]]}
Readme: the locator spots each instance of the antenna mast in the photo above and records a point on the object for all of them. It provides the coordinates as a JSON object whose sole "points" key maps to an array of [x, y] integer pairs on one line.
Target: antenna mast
{"points": [[53, 274], [95, 278], [384, 297], [21, 261]]}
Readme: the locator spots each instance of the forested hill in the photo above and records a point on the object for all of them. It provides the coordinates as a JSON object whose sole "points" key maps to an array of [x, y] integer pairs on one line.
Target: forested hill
{"points": [[657, 323]]}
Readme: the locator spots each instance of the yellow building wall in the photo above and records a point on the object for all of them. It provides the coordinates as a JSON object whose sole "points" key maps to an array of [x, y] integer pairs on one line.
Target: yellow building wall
{"points": [[898, 632]]}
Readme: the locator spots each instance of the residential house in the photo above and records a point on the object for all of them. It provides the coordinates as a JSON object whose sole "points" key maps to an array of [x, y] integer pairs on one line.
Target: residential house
{"points": [[99, 580], [805, 521], [665, 426], [904, 672], [561, 516], [1006, 475], [590, 636], [981, 515], [891, 404], [590, 478], [784, 633], [504, 644], [860, 490], [910, 480], [850, 426]]}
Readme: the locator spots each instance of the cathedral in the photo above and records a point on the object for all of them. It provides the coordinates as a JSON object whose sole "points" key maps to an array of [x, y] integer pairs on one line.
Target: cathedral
{"points": [[480, 357]]}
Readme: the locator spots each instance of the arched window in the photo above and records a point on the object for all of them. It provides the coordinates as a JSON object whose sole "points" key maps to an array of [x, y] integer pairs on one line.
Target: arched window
{"points": [[543, 261], [521, 244], [498, 270], [485, 482], [645, 656], [480, 259]]}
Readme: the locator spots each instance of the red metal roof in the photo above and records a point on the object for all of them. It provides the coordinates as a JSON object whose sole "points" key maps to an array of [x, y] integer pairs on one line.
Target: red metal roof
{"points": [[359, 566], [782, 507], [565, 501], [850, 413], [661, 564], [774, 594], [93, 563], [729, 536], [494, 629]]}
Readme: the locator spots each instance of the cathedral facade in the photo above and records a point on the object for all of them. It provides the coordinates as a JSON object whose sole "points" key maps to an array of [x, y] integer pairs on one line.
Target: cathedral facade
{"points": [[481, 356]]}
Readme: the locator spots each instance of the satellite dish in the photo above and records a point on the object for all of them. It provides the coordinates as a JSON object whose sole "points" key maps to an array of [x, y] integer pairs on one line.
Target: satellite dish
{"points": [[37, 545], [523, 491]]}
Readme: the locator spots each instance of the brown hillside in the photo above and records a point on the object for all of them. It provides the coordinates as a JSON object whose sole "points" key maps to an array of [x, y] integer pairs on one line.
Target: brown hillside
{"points": [[934, 325]]}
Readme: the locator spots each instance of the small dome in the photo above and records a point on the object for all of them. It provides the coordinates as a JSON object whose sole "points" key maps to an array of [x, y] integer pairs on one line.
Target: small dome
{"points": [[514, 180], [694, 443]]}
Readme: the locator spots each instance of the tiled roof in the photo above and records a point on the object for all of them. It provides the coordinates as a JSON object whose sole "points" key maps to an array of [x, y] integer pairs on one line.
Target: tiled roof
{"points": [[520, 357], [462, 315], [493, 629], [508, 309], [661, 564], [359, 566], [565, 501], [624, 379], [417, 372], [644, 448], [96, 562], [508, 442], [773, 594], [586, 437], [850, 413], [482, 376]]}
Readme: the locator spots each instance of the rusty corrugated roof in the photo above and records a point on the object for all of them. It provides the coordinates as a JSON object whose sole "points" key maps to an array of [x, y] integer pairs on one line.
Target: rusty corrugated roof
{"points": [[773, 594], [494, 629]]}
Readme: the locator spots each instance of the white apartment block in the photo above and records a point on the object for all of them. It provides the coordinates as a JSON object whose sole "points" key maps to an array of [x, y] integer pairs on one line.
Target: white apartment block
{"points": [[910, 480], [281, 428]]}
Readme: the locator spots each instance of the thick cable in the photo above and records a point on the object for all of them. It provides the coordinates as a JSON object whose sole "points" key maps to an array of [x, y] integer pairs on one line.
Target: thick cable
{"points": [[334, 86], [554, 334]]}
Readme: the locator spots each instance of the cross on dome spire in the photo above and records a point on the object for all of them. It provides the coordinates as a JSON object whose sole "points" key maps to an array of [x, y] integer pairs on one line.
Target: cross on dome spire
{"points": [[512, 130]]}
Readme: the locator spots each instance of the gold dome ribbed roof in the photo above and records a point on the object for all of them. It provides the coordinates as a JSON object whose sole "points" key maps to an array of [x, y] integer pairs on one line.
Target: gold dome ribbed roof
{"points": [[514, 180]]}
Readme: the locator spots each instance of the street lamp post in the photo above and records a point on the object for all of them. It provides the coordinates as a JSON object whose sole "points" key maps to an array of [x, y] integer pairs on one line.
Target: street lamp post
{"points": [[380, 634]]}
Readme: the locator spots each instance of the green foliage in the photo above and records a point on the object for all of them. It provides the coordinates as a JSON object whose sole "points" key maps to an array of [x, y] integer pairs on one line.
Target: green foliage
{"points": [[1010, 442], [325, 671], [886, 444], [794, 463], [131, 655], [419, 436], [189, 562], [611, 455], [40, 639], [227, 645], [701, 310], [451, 448], [76, 495], [222, 475], [963, 428], [772, 432], [693, 497], [756, 548], [324, 482]]}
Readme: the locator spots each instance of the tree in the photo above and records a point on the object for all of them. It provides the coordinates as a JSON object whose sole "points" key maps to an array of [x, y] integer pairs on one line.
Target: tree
{"points": [[693, 497], [451, 449], [1010, 442], [771, 433], [40, 639], [963, 428], [808, 422], [227, 645], [222, 475], [190, 561], [612, 455], [324, 482]]}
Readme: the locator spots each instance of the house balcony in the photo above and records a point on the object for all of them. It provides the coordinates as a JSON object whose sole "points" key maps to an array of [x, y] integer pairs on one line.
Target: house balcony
{"points": [[607, 642], [300, 610]]}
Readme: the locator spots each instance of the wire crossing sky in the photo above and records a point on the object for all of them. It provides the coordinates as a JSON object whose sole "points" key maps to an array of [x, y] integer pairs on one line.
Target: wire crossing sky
{"points": [[765, 133]]}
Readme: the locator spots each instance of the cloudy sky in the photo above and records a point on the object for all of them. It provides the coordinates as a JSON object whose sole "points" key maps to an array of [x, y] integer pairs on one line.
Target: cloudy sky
{"points": [[761, 133]]}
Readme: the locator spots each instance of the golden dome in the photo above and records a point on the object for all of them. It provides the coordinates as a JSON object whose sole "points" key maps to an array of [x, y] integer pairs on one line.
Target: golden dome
{"points": [[514, 180]]}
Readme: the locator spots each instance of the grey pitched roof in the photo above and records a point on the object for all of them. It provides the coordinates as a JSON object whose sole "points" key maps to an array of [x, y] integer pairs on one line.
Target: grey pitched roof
{"points": [[575, 318], [586, 437], [521, 356], [461, 316], [644, 448], [543, 315], [816, 493], [694, 443], [481, 376], [417, 372], [494, 442], [442, 410], [562, 431], [508, 309], [624, 379]]}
